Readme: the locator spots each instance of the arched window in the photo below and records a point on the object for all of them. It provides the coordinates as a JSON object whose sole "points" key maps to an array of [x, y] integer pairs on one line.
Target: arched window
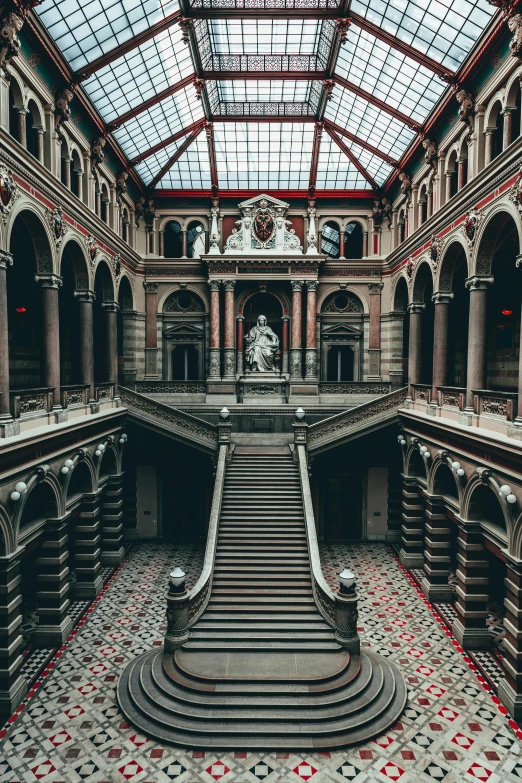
{"points": [[330, 239], [173, 240], [34, 131], [353, 241], [76, 174]]}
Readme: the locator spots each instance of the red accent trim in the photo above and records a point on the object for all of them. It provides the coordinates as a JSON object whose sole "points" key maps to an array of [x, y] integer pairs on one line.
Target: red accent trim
{"points": [[377, 102], [361, 143], [351, 157], [375, 244], [128, 46], [340, 194], [400, 46], [177, 155], [152, 101], [166, 142]]}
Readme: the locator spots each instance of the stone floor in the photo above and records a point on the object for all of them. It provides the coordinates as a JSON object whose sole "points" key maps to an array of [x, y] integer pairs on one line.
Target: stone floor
{"points": [[70, 729]]}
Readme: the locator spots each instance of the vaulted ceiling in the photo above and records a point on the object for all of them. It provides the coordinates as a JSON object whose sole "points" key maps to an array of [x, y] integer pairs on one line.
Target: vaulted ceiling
{"points": [[265, 94]]}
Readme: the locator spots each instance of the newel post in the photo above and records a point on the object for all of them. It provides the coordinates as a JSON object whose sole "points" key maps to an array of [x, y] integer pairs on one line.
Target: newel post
{"points": [[177, 611], [300, 431], [225, 430], [346, 613]]}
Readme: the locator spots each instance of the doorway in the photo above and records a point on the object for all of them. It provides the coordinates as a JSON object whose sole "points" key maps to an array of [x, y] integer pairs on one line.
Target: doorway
{"points": [[342, 507], [340, 363]]}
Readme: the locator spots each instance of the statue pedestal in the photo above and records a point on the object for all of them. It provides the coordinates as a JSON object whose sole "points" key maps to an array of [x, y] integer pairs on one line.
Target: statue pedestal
{"points": [[263, 388]]}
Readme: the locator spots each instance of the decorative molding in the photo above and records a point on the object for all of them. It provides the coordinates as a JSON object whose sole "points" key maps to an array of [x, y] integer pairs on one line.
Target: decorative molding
{"points": [[9, 191], [471, 223]]}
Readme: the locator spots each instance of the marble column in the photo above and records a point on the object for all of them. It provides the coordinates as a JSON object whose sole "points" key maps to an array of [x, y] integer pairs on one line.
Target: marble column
{"points": [[285, 320], [183, 243], [51, 334], [112, 550], [449, 185], [67, 173], [162, 243], [296, 349], [85, 329], [478, 300], [229, 337], [111, 343], [470, 628], [40, 154], [151, 332], [22, 127], [461, 181], [52, 579], [429, 206], [240, 344], [415, 346], [215, 337], [437, 552], [440, 344], [510, 688], [87, 550], [13, 686], [364, 244], [311, 328], [6, 259], [411, 553], [374, 347], [488, 152], [341, 243]]}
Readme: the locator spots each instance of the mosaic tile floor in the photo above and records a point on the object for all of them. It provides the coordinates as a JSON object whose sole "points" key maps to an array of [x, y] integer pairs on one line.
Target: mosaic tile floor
{"points": [[70, 728]]}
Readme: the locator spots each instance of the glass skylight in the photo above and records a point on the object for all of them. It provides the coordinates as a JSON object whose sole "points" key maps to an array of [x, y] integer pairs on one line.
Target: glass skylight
{"points": [[161, 121], [260, 91], [445, 30], [149, 167], [84, 30], [368, 122], [140, 74], [389, 75], [192, 170], [335, 171], [266, 36], [263, 155], [375, 166]]}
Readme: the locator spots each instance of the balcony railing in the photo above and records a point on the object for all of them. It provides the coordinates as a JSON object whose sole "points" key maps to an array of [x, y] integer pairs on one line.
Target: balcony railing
{"points": [[103, 392], [171, 387], [354, 387], [451, 397], [74, 396], [28, 403], [421, 392], [495, 403]]}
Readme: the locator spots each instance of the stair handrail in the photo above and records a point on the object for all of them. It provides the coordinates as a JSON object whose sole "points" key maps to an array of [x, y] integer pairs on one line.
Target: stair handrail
{"points": [[323, 595], [202, 434], [341, 425], [199, 596]]}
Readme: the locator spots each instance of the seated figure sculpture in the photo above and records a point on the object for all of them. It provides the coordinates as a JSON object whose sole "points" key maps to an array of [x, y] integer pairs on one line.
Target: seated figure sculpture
{"points": [[262, 343]]}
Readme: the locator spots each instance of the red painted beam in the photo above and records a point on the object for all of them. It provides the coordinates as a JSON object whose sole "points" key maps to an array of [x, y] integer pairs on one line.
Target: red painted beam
{"points": [[209, 127], [177, 155], [152, 101], [126, 47], [351, 157], [315, 155], [185, 193], [298, 76], [364, 144], [166, 142], [401, 46], [342, 82]]}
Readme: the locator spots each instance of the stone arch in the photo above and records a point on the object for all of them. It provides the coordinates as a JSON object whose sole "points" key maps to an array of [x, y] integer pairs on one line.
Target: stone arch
{"points": [[422, 280], [328, 302], [489, 235], [451, 158], [125, 294], [43, 498], [338, 221], [108, 464], [193, 289], [18, 89], [7, 538], [401, 295], [451, 255], [250, 292], [360, 220], [415, 466], [482, 503], [166, 219], [442, 481], [73, 252], [40, 236], [183, 300], [79, 480], [103, 278], [349, 289], [493, 110]]}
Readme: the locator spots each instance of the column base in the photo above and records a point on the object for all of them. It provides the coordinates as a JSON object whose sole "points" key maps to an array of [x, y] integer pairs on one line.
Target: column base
{"points": [[52, 635], [311, 364], [229, 364], [151, 364], [296, 370], [83, 591], [113, 557], [510, 699], [437, 594], [10, 699], [471, 638], [411, 559], [9, 427]]}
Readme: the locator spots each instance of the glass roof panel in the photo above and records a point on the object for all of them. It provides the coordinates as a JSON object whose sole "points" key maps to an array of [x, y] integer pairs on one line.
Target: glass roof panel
{"points": [[192, 170], [161, 121], [264, 36], [140, 74], [148, 168], [260, 91], [86, 29], [375, 166], [445, 30], [263, 155], [334, 170], [368, 122], [389, 75]]}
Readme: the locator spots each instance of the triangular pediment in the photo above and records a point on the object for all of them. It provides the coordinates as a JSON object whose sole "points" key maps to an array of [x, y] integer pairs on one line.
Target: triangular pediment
{"points": [[341, 329], [274, 202], [185, 328]]}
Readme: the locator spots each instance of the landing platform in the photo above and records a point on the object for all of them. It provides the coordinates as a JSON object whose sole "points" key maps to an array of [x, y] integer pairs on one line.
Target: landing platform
{"points": [[271, 666]]}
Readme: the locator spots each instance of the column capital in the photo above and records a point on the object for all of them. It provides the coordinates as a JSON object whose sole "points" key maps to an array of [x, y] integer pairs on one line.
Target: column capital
{"points": [[85, 296], [49, 281], [240, 317], [214, 285], [312, 285], [150, 288], [229, 285], [477, 283], [416, 307], [285, 317], [490, 131], [442, 297], [6, 259], [297, 285], [375, 288], [110, 307]]}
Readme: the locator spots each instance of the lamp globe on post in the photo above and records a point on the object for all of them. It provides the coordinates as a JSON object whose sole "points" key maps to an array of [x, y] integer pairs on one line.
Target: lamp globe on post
{"points": [[347, 581], [177, 580], [300, 414]]}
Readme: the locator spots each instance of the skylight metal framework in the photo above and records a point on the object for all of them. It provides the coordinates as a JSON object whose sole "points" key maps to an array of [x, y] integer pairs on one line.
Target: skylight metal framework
{"points": [[338, 90]]}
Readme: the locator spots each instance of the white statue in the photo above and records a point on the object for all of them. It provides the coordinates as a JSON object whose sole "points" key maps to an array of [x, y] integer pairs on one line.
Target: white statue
{"points": [[198, 248], [262, 343]]}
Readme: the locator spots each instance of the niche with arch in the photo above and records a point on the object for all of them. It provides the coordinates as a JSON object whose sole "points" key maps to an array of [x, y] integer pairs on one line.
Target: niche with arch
{"points": [[342, 331], [184, 327]]}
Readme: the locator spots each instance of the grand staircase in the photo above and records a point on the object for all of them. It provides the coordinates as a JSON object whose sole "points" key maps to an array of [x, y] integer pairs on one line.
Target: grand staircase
{"points": [[261, 668]]}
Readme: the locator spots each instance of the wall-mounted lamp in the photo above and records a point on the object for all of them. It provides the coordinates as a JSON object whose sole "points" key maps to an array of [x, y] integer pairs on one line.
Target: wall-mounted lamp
{"points": [[505, 492], [123, 438], [20, 488]]}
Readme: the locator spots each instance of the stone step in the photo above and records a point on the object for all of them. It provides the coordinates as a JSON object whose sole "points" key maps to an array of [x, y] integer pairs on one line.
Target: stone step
{"points": [[219, 582], [261, 646], [253, 618]]}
